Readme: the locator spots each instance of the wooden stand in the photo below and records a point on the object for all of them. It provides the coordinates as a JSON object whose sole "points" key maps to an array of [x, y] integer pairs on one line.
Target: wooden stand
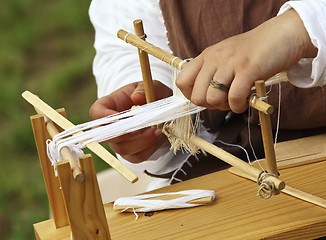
{"points": [[75, 204]]}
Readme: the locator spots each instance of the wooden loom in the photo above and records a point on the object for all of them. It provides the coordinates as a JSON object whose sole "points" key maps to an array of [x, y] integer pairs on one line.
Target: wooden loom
{"points": [[84, 214]]}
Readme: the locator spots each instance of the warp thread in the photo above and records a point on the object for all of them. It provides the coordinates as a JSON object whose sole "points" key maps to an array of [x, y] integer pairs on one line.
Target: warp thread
{"points": [[112, 126]]}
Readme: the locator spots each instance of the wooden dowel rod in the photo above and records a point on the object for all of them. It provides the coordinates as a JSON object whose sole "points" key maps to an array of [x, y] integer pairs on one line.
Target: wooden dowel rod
{"points": [[150, 49], [144, 64], [176, 62], [261, 105], [287, 190], [65, 152], [266, 131], [65, 124], [230, 159]]}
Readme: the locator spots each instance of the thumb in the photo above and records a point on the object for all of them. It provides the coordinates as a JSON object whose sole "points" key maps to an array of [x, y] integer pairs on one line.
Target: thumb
{"points": [[138, 96]]}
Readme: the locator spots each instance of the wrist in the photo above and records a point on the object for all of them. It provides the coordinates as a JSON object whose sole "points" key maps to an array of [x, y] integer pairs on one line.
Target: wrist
{"points": [[302, 40]]}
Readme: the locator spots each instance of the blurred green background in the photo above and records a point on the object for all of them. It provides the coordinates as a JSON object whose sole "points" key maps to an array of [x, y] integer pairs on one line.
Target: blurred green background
{"points": [[46, 48]]}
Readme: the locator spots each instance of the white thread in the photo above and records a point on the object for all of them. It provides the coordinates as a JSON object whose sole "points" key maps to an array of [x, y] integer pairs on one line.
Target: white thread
{"points": [[142, 37], [278, 114], [182, 126], [182, 62], [144, 203], [249, 131], [125, 38], [133, 209], [178, 169], [119, 124], [236, 145], [172, 61], [249, 135]]}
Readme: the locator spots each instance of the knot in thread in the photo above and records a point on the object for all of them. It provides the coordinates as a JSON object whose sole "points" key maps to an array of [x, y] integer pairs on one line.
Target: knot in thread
{"points": [[266, 187], [184, 61], [263, 98]]}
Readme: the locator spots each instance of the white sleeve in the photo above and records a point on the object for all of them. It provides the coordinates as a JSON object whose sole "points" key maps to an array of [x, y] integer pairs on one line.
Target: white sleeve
{"points": [[310, 72], [116, 63]]}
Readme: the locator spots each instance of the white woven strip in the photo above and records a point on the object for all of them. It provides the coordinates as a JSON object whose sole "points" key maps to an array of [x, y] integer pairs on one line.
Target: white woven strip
{"points": [[143, 203]]}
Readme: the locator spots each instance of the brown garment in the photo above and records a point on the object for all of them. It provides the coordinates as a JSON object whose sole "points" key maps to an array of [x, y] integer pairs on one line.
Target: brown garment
{"points": [[194, 25]]}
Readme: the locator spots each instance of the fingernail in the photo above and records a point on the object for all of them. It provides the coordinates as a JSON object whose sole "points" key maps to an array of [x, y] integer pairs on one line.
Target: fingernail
{"points": [[139, 91]]}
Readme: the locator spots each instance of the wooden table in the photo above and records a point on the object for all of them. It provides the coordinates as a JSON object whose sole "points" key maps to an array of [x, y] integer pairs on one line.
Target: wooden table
{"points": [[237, 212]]}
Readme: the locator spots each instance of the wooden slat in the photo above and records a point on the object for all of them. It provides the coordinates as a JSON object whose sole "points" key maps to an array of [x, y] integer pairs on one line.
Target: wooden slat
{"points": [[83, 201], [51, 182]]}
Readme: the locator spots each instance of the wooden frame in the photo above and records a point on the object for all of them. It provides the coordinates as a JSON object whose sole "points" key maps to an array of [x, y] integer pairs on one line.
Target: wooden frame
{"points": [[77, 205], [78, 210]]}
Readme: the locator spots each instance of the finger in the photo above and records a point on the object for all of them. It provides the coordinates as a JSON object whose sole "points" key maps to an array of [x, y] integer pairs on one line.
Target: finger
{"points": [[186, 78], [217, 97], [124, 137], [138, 97], [199, 92], [239, 93], [143, 155], [100, 109], [138, 143], [161, 91]]}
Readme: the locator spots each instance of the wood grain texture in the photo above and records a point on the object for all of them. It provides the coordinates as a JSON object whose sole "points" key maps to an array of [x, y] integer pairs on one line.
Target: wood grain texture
{"points": [[144, 64], [83, 202], [237, 213], [51, 181], [266, 131]]}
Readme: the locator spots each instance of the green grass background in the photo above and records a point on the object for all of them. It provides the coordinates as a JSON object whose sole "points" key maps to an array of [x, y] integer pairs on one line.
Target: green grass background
{"points": [[46, 48]]}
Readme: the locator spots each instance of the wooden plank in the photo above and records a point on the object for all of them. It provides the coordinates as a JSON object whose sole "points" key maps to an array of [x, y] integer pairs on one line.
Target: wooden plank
{"points": [[83, 201], [287, 190], [237, 213], [299, 152], [51, 182]]}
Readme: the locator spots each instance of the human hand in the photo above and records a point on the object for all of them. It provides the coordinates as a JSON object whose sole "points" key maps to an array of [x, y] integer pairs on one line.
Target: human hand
{"points": [[140, 145], [239, 61]]}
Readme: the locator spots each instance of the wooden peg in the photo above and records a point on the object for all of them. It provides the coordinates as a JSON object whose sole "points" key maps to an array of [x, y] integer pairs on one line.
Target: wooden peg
{"points": [[266, 131], [261, 105], [144, 64]]}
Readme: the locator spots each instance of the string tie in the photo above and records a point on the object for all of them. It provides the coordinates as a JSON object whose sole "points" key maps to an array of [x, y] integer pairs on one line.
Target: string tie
{"points": [[125, 38], [263, 98], [184, 61], [266, 187]]}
